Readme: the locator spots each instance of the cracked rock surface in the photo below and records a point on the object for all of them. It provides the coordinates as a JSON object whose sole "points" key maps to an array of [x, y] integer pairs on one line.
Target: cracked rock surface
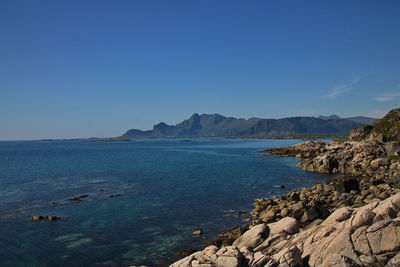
{"points": [[364, 236]]}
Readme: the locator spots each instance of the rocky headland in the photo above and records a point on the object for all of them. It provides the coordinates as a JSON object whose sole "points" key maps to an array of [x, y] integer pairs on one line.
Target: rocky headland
{"points": [[353, 220]]}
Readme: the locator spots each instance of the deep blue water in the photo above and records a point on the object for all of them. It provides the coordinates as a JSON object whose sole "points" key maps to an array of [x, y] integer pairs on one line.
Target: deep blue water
{"points": [[168, 189]]}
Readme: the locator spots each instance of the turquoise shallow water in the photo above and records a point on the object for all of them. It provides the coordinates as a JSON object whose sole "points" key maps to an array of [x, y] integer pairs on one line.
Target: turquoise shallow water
{"points": [[163, 190]]}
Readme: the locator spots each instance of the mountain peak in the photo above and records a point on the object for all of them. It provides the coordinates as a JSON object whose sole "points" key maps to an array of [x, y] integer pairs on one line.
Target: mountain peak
{"points": [[331, 117], [218, 125], [161, 125], [195, 115]]}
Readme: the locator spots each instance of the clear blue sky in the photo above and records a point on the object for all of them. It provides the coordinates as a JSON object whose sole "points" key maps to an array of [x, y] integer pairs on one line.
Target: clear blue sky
{"points": [[97, 68]]}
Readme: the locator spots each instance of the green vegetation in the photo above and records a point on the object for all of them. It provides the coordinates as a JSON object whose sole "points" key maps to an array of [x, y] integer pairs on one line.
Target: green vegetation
{"points": [[388, 127], [394, 158], [383, 130], [339, 141]]}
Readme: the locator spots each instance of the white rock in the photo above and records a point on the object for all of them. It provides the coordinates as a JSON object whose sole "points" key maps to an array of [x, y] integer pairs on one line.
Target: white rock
{"points": [[252, 237], [287, 225]]}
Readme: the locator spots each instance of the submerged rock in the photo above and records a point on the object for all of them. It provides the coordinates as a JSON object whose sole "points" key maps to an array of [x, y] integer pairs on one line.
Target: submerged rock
{"points": [[198, 231], [78, 198], [115, 195], [53, 218], [41, 218], [186, 252], [37, 218]]}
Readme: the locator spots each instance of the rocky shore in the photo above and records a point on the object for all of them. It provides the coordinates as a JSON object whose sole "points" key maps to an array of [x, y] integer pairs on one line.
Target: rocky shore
{"points": [[365, 236], [353, 220]]}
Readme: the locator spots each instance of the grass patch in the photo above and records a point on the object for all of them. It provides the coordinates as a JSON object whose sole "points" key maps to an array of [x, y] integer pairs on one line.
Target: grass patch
{"points": [[394, 157]]}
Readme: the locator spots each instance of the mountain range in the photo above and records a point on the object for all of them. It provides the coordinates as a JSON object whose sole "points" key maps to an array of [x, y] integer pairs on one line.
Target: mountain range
{"points": [[358, 119], [216, 125]]}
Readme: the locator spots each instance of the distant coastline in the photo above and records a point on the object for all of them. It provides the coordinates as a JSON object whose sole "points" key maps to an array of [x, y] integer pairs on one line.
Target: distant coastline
{"points": [[113, 139], [216, 125]]}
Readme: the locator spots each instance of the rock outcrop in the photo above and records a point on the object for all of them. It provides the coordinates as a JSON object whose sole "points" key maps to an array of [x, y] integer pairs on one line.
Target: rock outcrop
{"points": [[353, 158], [364, 236], [370, 174], [383, 130], [360, 133], [318, 202]]}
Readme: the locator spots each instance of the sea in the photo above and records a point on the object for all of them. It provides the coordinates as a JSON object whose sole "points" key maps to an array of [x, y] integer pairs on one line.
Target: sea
{"points": [[142, 199]]}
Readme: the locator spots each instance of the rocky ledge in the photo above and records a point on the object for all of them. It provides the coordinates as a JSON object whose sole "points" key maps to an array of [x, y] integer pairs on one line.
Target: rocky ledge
{"points": [[364, 236], [369, 174], [367, 157]]}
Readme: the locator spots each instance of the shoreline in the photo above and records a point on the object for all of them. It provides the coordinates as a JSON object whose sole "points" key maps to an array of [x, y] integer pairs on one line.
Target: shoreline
{"points": [[360, 183], [230, 234]]}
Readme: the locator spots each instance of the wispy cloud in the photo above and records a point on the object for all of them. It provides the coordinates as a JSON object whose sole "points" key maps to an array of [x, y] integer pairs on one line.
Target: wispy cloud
{"points": [[341, 89], [387, 97]]}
